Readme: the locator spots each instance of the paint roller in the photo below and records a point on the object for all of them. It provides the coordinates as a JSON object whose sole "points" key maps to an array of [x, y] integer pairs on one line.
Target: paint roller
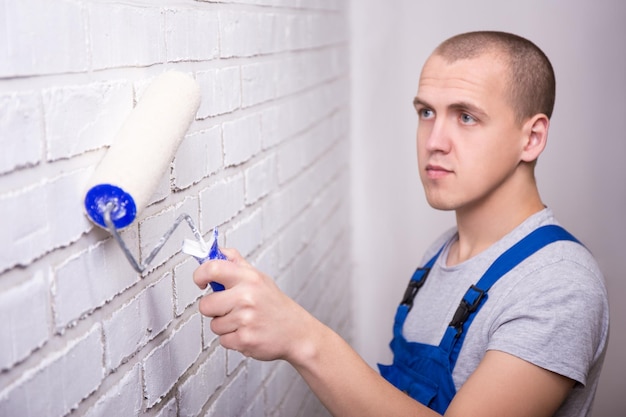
{"points": [[128, 175]]}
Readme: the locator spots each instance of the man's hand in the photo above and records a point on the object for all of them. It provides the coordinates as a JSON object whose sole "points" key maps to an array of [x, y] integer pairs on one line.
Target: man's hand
{"points": [[252, 315]]}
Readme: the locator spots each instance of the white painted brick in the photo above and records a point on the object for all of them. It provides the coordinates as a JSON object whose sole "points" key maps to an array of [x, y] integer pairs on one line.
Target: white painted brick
{"points": [[198, 156], [283, 120], [285, 204], [334, 161], [24, 319], [245, 33], [81, 118], [256, 408], [170, 409], [233, 360], [310, 68], [341, 123], [97, 274], [278, 385], [242, 139], [306, 289], [297, 114], [295, 397], [199, 387], [247, 234], [142, 84], [311, 106], [167, 363], [59, 382], [232, 399], [274, 392], [324, 30], [51, 215], [290, 158], [123, 399], [258, 82], [284, 32], [329, 96], [284, 3], [292, 239], [313, 408], [191, 35], [319, 248], [140, 320], [208, 337], [267, 259], [21, 130], [297, 74], [257, 372], [152, 229], [326, 167], [220, 89], [320, 138], [221, 201], [300, 33], [65, 209], [185, 290], [42, 37], [260, 179], [122, 35], [162, 190], [327, 201], [274, 122], [317, 252], [274, 214], [292, 279], [27, 235]]}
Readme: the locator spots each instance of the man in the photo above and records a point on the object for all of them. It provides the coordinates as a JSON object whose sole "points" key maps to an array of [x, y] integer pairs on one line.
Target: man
{"points": [[535, 345]]}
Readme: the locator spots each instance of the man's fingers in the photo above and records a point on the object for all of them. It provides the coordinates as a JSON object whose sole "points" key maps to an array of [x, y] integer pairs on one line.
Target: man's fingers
{"points": [[223, 325], [215, 305], [233, 255], [225, 272], [230, 341]]}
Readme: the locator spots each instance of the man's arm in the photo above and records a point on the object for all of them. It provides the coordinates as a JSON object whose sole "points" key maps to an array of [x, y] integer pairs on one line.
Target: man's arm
{"points": [[506, 385], [345, 383], [254, 317], [502, 385]]}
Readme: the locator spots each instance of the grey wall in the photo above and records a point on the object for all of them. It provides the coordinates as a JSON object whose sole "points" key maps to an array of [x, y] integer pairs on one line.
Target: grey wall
{"points": [[580, 175]]}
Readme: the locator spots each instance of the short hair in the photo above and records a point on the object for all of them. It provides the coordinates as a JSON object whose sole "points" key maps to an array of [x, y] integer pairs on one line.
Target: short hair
{"points": [[531, 83]]}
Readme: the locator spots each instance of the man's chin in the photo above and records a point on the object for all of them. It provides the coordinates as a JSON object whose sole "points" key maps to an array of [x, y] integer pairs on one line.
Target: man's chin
{"points": [[438, 204]]}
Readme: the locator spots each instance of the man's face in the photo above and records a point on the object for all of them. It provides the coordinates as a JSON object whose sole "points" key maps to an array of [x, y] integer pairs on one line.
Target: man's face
{"points": [[468, 141]]}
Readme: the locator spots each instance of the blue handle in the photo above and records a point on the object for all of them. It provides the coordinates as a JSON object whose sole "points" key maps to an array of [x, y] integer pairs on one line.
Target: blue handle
{"points": [[214, 253]]}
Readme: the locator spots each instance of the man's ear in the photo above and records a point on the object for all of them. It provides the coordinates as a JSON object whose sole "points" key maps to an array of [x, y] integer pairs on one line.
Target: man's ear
{"points": [[535, 137]]}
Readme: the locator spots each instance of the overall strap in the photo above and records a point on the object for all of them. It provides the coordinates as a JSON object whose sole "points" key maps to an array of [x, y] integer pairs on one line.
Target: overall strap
{"points": [[416, 282], [476, 295]]}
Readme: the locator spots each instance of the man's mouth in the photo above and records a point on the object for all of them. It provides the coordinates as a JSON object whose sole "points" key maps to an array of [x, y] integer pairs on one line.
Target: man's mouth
{"points": [[436, 171]]}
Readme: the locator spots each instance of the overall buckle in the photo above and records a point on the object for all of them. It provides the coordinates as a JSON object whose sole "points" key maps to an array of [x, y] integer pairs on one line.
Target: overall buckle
{"points": [[416, 282], [464, 310]]}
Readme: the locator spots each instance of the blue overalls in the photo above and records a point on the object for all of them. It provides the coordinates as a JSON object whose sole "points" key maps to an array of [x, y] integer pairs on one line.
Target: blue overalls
{"points": [[424, 372]]}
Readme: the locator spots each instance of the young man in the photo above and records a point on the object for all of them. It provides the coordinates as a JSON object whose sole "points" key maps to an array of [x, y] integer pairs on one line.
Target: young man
{"points": [[535, 345]]}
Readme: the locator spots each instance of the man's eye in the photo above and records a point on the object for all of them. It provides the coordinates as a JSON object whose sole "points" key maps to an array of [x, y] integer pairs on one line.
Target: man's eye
{"points": [[467, 119], [425, 113]]}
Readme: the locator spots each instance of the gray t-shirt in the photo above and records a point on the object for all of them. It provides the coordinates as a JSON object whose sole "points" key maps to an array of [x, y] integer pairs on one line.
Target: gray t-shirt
{"points": [[551, 310]]}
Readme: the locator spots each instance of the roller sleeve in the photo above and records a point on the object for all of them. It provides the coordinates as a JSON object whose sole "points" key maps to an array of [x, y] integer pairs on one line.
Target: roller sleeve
{"points": [[143, 148]]}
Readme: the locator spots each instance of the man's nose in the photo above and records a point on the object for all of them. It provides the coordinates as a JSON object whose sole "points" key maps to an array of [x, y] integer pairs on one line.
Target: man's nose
{"points": [[438, 138]]}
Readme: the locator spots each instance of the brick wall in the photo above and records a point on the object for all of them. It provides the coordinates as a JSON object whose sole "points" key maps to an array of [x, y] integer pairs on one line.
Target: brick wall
{"points": [[266, 160]]}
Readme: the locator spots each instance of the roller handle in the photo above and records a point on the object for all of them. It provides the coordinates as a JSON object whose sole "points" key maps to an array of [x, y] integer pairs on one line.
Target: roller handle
{"points": [[199, 251]]}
